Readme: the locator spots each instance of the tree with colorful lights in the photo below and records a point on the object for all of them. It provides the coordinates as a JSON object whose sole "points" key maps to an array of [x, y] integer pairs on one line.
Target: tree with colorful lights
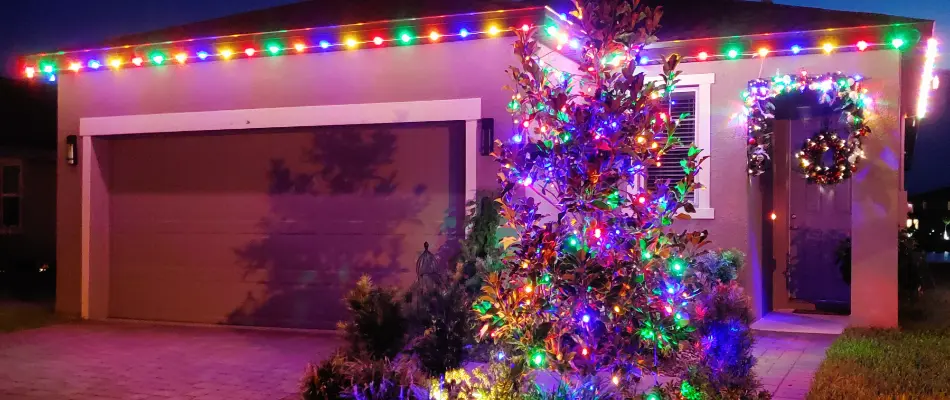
{"points": [[599, 287]]}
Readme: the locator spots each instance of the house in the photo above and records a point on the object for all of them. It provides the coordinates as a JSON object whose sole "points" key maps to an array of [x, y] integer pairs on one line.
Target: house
{"points": [[27, 189], [929, 219], [249, 178]]}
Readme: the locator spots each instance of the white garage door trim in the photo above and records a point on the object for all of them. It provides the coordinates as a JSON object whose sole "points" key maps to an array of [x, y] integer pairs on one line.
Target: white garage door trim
{"points": [[468, 110]]}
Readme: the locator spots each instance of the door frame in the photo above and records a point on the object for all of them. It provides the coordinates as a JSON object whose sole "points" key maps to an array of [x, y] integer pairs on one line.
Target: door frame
{"points": [[94, 161]]}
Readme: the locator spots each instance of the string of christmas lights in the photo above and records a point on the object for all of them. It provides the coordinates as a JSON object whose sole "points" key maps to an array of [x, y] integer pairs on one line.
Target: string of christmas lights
{"points": [[842, 92], [266, 44]]}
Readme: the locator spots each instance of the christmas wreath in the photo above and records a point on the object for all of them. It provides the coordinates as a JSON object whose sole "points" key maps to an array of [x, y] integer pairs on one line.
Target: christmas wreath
{"points": [[842, 92], [845, 153]]}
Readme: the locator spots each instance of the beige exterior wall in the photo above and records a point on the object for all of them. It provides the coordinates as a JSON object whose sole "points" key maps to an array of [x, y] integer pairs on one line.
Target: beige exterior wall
{"points": [[476, 69]]}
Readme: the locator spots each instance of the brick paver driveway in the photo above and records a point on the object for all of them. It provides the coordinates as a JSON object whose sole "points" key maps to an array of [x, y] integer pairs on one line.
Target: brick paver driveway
{"points": [[138, 361], [133, 361], [786, 362]]}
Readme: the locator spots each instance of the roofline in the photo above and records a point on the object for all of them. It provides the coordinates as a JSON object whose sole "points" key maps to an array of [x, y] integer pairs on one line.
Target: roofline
{"points": [[813, 32], [286, 31]]}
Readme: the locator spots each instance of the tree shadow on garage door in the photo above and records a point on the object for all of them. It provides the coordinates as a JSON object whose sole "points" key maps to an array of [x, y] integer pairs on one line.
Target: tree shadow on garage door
{"points": [[360, 201]]}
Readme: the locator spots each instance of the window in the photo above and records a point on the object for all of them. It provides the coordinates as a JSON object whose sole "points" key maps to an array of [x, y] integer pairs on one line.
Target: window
{"points": [[683, 103], [10, 196], [692, 97]]}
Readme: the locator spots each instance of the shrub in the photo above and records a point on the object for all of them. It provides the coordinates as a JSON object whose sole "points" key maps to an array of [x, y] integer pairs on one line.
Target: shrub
{"points": [[327, 380], [444, 316], [722, 317], [384, 379], [376, 327]]}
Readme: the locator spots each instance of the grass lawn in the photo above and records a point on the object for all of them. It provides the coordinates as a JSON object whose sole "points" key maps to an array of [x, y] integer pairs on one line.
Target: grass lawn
{"points": [[911, 363], [15, 316]]}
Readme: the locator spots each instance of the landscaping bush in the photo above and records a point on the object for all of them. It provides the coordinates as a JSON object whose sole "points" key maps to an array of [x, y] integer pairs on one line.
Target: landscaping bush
{"points": [[377, 326], [724, 339], [326, 380], [440, 321]]}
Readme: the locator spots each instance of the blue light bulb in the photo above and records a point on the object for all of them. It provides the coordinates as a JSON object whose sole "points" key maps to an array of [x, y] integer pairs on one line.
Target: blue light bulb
{"points": [[463, 33], [324, 44], [585, 318], [796, 49], [202, 55], [517, 138]]}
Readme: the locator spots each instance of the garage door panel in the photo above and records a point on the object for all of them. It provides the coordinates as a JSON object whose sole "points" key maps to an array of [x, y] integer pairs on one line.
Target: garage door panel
{"points": [[291, 214], [288, 258], [273, 228]]}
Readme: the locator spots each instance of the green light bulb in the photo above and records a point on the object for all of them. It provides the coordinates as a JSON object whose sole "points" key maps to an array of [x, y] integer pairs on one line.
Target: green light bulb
{"points": [[897, 43], [733, 53]]}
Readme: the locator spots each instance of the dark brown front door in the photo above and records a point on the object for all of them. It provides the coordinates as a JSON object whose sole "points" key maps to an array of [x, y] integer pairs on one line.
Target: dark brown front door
{"points": [[819, 220]]}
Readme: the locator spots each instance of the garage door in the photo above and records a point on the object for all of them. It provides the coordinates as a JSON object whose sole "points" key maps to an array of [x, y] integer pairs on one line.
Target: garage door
{"points": [[272, 228]]}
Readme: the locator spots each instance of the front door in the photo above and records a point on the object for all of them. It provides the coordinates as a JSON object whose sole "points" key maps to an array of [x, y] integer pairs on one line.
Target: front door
{"points": [[819, 222]]}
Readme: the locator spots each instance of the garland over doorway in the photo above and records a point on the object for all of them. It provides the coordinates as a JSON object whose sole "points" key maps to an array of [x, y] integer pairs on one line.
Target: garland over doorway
{"points": [[842, 92]]}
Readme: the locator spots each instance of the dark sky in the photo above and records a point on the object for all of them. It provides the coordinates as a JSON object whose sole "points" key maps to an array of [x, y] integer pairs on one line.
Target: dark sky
{"points": [[29, 26]]}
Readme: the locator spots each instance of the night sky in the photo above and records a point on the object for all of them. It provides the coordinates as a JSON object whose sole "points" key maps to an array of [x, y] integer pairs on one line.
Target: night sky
{"points": [[35, 26]]}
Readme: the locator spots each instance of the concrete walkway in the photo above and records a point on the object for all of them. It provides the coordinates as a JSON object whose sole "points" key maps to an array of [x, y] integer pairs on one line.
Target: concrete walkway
{"points": [[787, 361], [82, 361]]}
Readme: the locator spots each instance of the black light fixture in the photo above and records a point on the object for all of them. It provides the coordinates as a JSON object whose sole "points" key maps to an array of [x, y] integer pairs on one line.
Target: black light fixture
{"points": [[487, 136], [910, 140], [72, 150]]}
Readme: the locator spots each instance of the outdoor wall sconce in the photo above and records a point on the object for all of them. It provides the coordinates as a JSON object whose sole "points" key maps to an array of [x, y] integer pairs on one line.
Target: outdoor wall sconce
{"points": [[487, 136], [910, 140], [72, 150]]}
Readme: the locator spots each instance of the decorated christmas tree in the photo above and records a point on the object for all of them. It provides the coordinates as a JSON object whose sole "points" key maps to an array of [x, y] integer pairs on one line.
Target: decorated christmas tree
{"points": [[599, 286]]}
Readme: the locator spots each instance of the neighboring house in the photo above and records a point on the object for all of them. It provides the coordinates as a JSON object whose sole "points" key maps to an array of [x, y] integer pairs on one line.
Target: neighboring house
{"points": [[930, 219], [250, 179], [27, 187]]}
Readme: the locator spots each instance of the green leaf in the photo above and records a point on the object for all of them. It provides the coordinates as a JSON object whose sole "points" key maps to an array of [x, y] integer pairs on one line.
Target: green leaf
{"points": [[693, 150], [681, 187], [601, 205]]}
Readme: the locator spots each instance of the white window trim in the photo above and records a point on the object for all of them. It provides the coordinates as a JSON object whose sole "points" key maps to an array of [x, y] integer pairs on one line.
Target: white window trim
{"points": [[701, 84]]}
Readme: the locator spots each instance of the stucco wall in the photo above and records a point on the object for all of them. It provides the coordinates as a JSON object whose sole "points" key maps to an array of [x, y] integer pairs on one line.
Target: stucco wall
{"points": [[466, 70]]}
